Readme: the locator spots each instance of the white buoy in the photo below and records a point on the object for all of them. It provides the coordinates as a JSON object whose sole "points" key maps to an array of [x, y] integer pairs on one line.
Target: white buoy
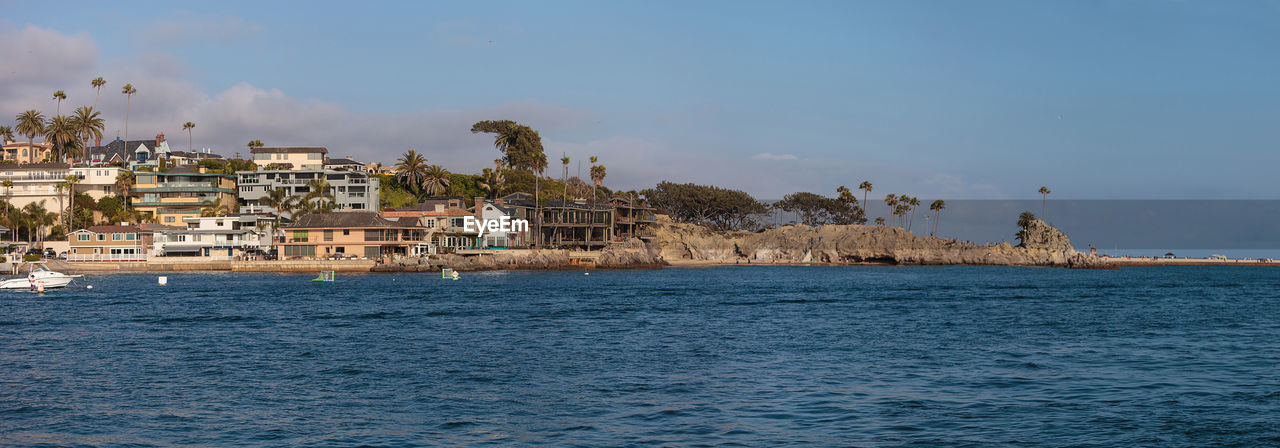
{"points": [[586, 273], [88, 287], [164, 280]]}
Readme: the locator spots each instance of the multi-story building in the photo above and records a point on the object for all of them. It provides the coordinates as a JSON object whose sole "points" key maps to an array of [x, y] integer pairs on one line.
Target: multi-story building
{"points": [[291, 157], [348, 235], [97, 181], [344, 164], [581, 225], [443, 219], [107, 243], [180, 192], [23, 152], [218, 237], [36, 183], [352, 191]]}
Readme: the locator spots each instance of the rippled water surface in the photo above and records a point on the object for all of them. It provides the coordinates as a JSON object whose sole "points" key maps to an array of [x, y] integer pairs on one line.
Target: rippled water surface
{"points": [[734, 356]]}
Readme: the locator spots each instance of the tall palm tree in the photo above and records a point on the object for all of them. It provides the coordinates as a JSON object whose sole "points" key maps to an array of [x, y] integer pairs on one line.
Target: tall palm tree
{"points": [[865, 186], [128, 92], [71, 182], [125, 182], [520, 145], [593, 160], [61, 133], [8, 196], [62, 211], [188, 126], [219, 208], [30, 124], [937, 206], [410, 168], [1044, 197], [59, 96], [565, 178], [435, 180], [6, 134], [89, 124], [891, 201], [97, 84], [912, 203], [597, 175]]}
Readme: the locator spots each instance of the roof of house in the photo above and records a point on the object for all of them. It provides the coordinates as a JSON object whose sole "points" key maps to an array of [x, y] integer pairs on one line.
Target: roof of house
{"points": [[120, 148], [289, 149], [344, 219], [112, 229], [194, 155], [343, 161]]}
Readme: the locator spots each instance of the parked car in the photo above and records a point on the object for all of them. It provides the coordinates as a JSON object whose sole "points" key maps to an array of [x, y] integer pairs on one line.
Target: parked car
{"points": [[50, 253], [63, 255]]}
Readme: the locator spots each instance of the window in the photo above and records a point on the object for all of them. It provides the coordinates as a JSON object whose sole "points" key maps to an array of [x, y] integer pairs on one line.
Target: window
{"points": [[117, 237], [82, 237], [168, 219], [328, 235], [102, 237], [346, 232], [130, 236], [300, 236]]}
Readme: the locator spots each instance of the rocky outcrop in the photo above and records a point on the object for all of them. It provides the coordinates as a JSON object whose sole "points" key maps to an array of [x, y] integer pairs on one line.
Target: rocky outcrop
{"points": [[850, 244]]}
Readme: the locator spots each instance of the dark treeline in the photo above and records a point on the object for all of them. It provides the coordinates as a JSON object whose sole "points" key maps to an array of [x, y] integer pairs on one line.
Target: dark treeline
{"points": [[707, 205]]}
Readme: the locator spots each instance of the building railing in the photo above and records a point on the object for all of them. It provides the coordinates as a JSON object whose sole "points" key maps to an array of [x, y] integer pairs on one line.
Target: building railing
{"points": [[106, 257]]}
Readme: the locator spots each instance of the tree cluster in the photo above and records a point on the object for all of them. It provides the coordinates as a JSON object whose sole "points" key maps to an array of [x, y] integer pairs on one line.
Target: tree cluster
{"points": [[814, 209], [707, 205]]}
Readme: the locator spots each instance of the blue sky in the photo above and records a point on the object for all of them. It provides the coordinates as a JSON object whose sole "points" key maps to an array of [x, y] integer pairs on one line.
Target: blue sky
{"points": [[1123, 99]]}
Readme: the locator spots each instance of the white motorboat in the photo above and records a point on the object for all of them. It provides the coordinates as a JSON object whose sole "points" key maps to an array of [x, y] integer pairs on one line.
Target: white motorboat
{"points": [[38, 274]]}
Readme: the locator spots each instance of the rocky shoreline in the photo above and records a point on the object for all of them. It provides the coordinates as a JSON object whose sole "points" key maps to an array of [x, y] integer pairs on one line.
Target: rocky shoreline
{"points": [[679, 244]]}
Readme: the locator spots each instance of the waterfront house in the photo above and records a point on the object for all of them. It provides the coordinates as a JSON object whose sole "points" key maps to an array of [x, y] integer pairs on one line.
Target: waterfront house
{"points": [[36, 183], [132, 153], [180, 192], [106, 243], [348, 235], [295, 157], [580, 225], [97, 181], [352, 191], [632, 219], [214, 237], [443, 220]]}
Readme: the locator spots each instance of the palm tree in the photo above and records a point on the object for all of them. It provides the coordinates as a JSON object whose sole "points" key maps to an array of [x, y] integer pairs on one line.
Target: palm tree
{"points": [[597, 176], [321, 191], [1024, 221], [188, 126], [435, 180], [520, 145], [125, 182], [494, 178], [891, 201], [220, 208], [6, 134], [97, 84], [865, 186], [253, 144], [936, 207], [71, 182], [912, 202], [593, 160], [1044, 196], [61, 132], [276, 199], [59, 96], [128, 91], [36, 217], [62, 211], [565, 178], [30, 124], [410, 168], [8, 196], [879, 221], [88, 123]]}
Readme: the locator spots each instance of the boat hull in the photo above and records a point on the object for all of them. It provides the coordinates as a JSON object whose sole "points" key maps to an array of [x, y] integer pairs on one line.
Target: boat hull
{"points": [[23, 283]]}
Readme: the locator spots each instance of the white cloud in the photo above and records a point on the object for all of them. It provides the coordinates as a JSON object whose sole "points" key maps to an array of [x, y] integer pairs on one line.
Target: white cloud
{"points": [[772, 156]]}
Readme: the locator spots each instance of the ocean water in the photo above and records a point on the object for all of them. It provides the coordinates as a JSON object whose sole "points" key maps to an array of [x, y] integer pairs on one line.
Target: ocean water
{"points": [[731, 356]]}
